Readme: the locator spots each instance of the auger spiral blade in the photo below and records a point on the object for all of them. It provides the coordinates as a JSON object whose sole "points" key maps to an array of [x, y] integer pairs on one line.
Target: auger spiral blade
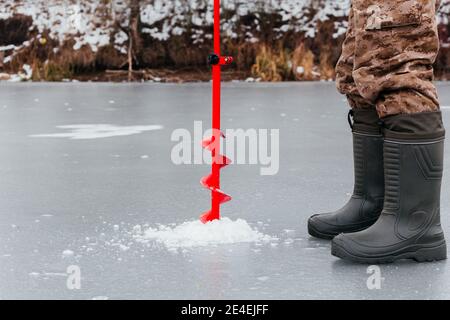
{"points": [[213, 215], [212, 181], [223, 161], [222, 196], [209, 142], [207, 182]]}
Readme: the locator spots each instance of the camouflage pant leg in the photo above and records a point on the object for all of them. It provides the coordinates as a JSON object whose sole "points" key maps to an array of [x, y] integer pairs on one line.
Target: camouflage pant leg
{"points": [[344, 70], [396, 44]]}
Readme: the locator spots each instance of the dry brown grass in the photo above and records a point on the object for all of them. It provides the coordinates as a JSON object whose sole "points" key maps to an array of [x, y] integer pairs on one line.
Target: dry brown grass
{"points": [[33, 55], [326, 64], [77, 59], [327, 49], [109, 58], [272, 64], [52, 71], [49, 64], [244, 54], [181, 52], [303, 63]]}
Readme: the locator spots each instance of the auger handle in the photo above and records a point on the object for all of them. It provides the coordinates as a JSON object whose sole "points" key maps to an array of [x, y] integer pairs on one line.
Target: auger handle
{"points": [[215, 59]]}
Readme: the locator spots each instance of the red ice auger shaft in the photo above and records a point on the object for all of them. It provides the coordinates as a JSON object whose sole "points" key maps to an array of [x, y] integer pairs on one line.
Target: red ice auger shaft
{"points": [[212, 182]]}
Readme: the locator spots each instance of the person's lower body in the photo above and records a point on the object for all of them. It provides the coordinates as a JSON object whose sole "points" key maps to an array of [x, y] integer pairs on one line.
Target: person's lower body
{"points": [[386, 69]]}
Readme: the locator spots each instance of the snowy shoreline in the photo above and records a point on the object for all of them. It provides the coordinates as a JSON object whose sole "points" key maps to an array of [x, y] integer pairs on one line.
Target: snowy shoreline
{"points": [[90, 40]]}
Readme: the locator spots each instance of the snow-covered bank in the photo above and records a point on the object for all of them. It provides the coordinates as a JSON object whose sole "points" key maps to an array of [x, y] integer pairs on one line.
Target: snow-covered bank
{"points": [[61, 38], [94, 23]]}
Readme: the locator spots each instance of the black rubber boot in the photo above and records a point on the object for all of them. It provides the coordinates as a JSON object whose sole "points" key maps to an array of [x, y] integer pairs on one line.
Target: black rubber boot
{"points": [[409, 226], [366, 203]]}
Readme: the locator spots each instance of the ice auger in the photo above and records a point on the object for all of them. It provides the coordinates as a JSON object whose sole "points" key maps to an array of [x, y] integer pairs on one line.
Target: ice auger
{"points": [[212, 181]]}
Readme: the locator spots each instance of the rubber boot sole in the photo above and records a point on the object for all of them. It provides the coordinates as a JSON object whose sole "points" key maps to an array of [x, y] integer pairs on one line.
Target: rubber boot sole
{"points": [[421, 254], [329, 236], [317, 234]]}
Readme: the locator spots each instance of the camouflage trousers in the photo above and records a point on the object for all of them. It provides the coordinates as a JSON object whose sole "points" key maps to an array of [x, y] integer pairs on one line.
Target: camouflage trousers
{"points": [[388, 55]]}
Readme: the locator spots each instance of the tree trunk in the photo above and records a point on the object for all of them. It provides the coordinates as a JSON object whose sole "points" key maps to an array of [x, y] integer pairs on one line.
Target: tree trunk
{"points": [[135, 45], [130, 59]]}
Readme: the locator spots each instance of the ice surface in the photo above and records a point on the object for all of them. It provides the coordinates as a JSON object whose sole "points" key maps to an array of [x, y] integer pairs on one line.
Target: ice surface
{"points": [[89, 192], [196, 234]]}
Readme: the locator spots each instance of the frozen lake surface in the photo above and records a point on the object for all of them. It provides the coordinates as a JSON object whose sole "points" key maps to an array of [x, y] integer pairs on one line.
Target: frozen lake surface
{"points": [[85, 169]]}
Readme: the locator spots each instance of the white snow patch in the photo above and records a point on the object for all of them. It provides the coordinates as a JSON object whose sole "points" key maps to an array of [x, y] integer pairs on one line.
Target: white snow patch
{"points": [[97, 131], [28, 72], [8, 47], [122, 247], [120, 38], [300, 70], [196, 234], [67, 253]]}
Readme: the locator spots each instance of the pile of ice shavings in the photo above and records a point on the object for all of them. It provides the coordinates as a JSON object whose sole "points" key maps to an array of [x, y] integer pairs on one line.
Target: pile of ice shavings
{"points": [[196, 234]]}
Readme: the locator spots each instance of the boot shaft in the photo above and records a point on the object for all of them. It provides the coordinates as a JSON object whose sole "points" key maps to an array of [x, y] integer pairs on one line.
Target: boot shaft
{"points": [[367, 153], [413, 166], [413, 176], [368, 165]]}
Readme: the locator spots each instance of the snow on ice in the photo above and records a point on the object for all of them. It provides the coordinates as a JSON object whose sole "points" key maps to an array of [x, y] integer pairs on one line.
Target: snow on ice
{"points": [[67, 253], [196, 234], [97, 131]]}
